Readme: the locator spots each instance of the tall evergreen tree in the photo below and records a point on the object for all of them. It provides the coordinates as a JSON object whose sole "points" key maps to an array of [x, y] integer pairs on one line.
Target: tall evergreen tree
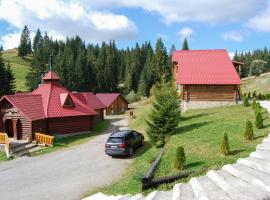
{"points": [[1, 48], [185, 45], [10, 80], [7, 81], [25, 43], [38, 41]]}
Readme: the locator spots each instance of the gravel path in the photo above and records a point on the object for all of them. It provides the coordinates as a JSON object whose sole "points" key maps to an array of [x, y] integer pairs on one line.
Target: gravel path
{"points": [[66, 174]]}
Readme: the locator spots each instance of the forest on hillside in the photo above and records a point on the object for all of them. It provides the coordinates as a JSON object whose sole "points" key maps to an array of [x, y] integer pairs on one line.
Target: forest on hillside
{"points": [[97, 68]]}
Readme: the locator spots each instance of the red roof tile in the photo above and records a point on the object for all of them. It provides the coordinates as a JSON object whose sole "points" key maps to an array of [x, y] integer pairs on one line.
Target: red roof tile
{"points": [[205, 67], [51, 76], [90, 99], [108, 98], [30, 105]]}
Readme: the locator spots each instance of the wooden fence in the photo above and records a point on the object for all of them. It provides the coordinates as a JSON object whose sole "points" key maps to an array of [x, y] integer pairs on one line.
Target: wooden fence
{"points": [[44, 139]]}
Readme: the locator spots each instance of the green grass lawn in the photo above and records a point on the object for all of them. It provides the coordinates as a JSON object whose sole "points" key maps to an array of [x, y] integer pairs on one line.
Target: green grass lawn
{"points": [[200, 132], [70, 141], [260, 84], [3, 156], [19, 66]]}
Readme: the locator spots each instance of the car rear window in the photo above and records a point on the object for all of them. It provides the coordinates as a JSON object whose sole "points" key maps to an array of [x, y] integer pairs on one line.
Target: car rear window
{"points": [[115, 140]]}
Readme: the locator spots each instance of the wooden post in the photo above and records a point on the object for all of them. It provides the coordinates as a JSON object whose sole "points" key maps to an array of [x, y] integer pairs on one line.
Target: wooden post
{"points": [[14, 124]]}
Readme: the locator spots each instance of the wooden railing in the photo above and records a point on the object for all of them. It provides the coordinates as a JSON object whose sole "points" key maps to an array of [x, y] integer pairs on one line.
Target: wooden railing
{"points": [[5, 140], [44, 139]]}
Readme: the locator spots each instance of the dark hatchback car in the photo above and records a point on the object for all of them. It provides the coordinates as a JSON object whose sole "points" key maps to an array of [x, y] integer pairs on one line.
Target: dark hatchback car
{"points": [[123, 143]]}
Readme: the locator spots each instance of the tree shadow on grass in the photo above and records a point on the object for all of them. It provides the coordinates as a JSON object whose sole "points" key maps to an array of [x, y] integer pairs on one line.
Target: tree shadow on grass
{"points": [[190, 127], [194, 116], [193, 164], [260, 136], [234, 152]]}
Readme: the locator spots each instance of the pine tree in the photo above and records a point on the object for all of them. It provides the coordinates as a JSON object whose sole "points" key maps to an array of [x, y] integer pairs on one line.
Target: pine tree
{"points": [[165, 115], [2, 76], [38, 41], [10, 80], [224, 147], [25, 43], [248, 132], [7, 81], [185, 45], [254, 102], [246, 102], [259, 120], [180, 158]]}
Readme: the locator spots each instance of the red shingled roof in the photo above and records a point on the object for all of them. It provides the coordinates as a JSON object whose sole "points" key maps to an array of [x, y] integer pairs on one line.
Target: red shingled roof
{"points": [[30, 105], [108, 98], [90, 99], [205, 67], [51, 76]]}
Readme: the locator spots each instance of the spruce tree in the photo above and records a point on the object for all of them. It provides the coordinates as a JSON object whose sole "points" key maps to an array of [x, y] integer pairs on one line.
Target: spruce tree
{"points": [[180, 158], [224, 146], [254, 102], [165, 114], [248, 132], [246, 102], [25, 43], [2, 76], [1, 48], [10, 80], [38, 41], [7, 81], [185, 45]]}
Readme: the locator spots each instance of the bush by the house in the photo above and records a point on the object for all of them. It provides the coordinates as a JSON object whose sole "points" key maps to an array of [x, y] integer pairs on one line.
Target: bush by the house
{"points": [[165, 114], [246, 103], [254, 94], [132, 97], [180, 158], [249, 96], [259, 120], [248, 132], [224, 147], [254, 102]]}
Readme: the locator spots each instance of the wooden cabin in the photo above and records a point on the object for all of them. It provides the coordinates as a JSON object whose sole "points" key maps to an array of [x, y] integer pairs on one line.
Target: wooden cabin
{"points": [[115, 103], [50, 109], [205, 78]]}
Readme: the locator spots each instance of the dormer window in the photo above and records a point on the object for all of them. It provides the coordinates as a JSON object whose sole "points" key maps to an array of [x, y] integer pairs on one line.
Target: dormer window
{"points": [[66, 100]]}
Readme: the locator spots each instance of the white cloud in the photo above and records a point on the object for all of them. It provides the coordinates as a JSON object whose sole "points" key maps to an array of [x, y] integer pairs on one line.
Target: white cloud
{"points": [[10, 40], [212, 11], [261, 22], [62, 18], [185, 32], [233, 36], [231, 55], [162, 36]]}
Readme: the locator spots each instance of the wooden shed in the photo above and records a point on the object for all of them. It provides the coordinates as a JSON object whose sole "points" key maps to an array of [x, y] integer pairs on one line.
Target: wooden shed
{"points": [[50, 109], [115, 103], [205, 78]]}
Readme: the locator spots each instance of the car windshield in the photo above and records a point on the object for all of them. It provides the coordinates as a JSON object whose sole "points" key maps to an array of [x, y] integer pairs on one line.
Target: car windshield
{"points": [[115, 140]]}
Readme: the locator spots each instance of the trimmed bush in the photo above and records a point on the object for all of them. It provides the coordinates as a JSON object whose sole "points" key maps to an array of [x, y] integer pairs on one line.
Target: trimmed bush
{"points": [[259, 120], [160, 143], [254, 102], [224, 147], [249, 96], [254, 94], [246, 103], [248, 132], [180, 158]]}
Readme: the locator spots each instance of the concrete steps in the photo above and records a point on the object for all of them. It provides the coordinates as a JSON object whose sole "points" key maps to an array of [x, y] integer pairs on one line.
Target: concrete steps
{"points": [[248, 179], [23, 149]]}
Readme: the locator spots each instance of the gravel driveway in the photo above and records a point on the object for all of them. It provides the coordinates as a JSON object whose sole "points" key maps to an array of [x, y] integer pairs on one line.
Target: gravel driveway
{"points": [[66, 174]]}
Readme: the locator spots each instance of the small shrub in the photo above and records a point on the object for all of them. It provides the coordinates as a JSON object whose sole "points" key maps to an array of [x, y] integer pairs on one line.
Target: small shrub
{"points": [[254, 102], [132, 97], [259, 120], [246, 103], [160, 143], [180, 158], [224, 147], [248, 132], [254, 94], [249, 96], [260, 97]]}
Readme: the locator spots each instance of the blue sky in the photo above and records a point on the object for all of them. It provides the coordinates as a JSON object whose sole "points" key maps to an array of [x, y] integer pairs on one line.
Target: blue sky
{"points": [[208, 24]]}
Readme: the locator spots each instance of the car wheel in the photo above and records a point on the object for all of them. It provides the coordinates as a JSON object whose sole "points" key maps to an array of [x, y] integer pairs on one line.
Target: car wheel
{"points": [[130, 152]]}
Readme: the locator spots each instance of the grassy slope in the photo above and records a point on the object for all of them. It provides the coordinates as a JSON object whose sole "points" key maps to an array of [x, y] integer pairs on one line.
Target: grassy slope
{"points": [[70, 141], [200, 133], [20, 67], [259, 84]]}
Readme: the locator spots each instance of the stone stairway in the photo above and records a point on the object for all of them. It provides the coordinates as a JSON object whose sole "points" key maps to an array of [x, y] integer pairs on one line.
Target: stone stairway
{"points": [[23, 148], [248, 179]]}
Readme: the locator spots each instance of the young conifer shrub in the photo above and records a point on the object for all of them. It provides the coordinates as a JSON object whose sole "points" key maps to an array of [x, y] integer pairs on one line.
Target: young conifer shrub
{"points": [[180, 158], [254, 102], [246, 103], [259, 120], [248, 132], [224, 147]]}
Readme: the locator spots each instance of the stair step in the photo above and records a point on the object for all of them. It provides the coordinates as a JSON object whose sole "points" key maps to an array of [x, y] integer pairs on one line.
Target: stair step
{"points": [[210, 190], [163, 195], [255, 163], [23, 148], [249, 175], [187, 192], [15, 145], [263, 155], [222, 183]]}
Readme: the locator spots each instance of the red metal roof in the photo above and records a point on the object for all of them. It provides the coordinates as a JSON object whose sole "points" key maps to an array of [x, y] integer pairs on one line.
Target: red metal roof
{"points": [[108, 98], [51, 76], [205, 67], [30, 105], [90, 99]]}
